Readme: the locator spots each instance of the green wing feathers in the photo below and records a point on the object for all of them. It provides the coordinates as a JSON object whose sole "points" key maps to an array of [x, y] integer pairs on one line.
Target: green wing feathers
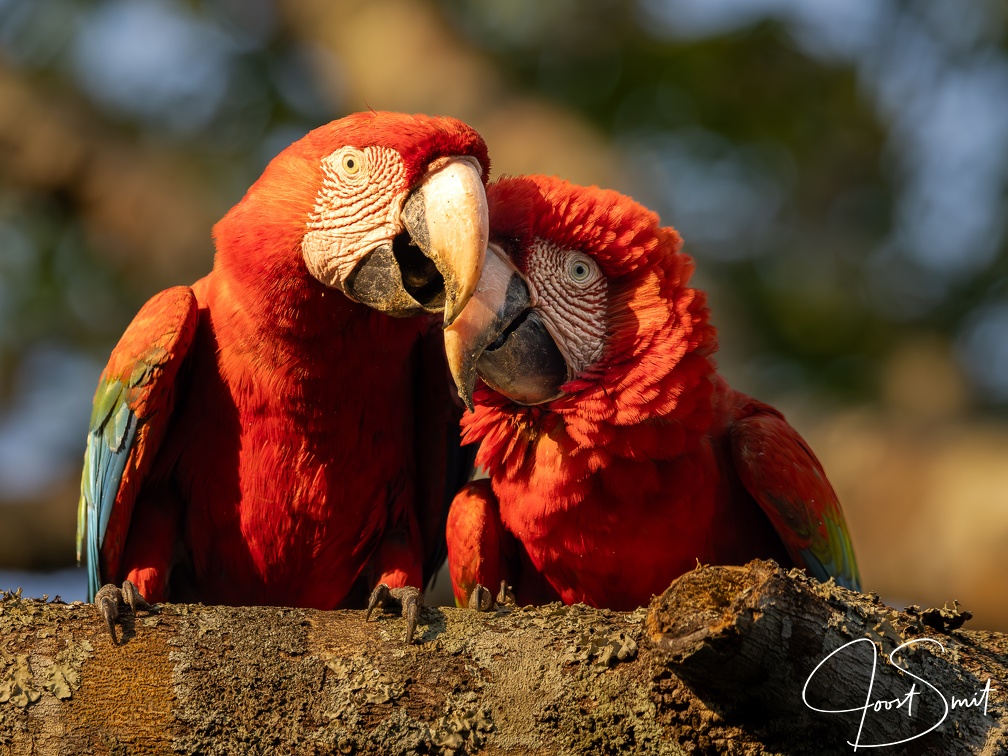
{"points": [[782, 474], [130, 415]]}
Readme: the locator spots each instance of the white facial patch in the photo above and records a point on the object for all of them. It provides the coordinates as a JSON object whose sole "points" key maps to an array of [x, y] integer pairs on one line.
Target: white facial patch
{"points": [[568, 288], [358, 208]]}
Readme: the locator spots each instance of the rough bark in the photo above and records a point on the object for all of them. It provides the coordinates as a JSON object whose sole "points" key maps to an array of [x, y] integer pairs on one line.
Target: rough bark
{"points": [[717, 664]]}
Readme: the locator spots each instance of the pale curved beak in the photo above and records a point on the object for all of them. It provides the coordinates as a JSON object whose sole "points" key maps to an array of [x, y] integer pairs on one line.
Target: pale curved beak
{"points": [[501, 296], [448, 219]]}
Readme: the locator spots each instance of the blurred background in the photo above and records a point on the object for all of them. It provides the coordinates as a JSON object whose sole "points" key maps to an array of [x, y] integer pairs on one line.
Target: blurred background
{"points": [[838, 169]]}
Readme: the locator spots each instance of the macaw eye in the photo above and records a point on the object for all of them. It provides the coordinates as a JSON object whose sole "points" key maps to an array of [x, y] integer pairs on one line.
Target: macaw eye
{"points": [[351, 163], [581, 269]]}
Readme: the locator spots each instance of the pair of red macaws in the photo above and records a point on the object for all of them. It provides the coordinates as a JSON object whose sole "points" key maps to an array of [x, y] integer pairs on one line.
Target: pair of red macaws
{"points": [[284, 431]]}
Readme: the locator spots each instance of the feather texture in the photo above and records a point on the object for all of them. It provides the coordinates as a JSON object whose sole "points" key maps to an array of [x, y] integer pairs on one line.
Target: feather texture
{"points": [[648, 463], [130, 416], [256, 437]]}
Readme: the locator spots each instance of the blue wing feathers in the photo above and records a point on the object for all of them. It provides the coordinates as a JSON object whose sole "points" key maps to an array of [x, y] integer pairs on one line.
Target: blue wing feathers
{"points": [[107, 454], [134, 392], [114, 461]]}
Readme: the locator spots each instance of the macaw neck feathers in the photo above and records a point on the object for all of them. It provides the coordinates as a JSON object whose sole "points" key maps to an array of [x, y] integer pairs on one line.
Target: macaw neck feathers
{"points": [[658, 376]]}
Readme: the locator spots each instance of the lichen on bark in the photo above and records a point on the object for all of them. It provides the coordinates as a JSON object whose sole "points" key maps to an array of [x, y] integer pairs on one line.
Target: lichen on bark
{"points": [[714, 665]]}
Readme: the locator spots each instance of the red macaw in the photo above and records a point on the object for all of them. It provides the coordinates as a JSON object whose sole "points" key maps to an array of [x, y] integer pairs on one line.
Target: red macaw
{"points": [[618, 457], [271, 435]]}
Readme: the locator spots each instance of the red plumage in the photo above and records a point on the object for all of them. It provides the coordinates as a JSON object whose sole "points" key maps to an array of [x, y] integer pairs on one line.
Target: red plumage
{"points": [[647, 462], [292, 444]]}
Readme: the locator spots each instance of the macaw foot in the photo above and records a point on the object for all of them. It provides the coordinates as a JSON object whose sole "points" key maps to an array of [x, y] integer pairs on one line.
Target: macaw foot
{"points": [[410, 598], [480, 599], [505, 596], [107, 602]]}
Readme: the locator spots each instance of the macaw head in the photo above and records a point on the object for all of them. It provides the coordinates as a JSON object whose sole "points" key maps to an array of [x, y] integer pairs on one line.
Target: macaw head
{"points": [[388, 208], [583, 305]]}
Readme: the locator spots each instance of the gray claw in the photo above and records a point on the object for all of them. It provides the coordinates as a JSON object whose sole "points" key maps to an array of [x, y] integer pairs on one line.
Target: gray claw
{"points": [[410, 598], [480, 599], [505, 596], [132, 597], [107, 602]]}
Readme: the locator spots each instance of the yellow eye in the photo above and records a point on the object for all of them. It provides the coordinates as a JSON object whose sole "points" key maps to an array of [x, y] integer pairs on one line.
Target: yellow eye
{"points": [[351, 163], [581, 269]]}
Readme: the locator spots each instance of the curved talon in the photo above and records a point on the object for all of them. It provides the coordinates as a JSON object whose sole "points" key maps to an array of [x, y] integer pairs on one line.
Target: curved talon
{"points": [[505, 596], [379, 596], [410, 598], [107, 603], [480, 599], [131, 595]]}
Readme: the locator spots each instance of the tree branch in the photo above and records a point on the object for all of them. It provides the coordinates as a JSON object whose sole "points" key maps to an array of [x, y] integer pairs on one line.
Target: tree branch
{"points": [[715, 665]]}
